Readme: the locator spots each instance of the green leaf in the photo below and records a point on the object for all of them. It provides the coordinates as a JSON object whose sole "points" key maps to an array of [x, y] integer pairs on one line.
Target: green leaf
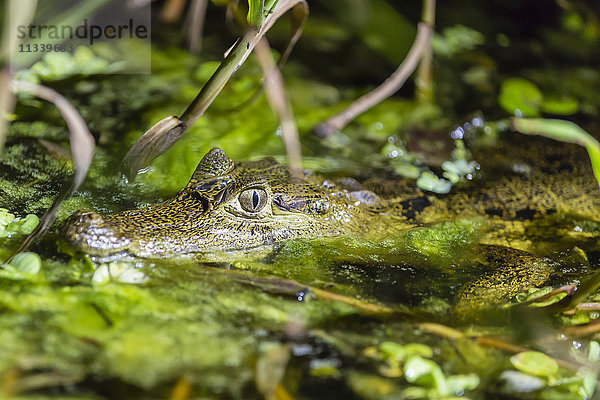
{"points": [[535, 363], [560, 106], [430, 182], [520, 97], [418, 349], [415, 392], [594, 354], [393, 350], [28, 224], [27, 263], [515, 381], [426, 373], [461, 383], [590, 382], [256, 13], [456, 39], [5, 217]]}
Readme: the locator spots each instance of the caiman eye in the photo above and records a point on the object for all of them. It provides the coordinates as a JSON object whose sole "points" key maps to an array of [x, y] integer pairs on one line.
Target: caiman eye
{"points": [[253, 200]]}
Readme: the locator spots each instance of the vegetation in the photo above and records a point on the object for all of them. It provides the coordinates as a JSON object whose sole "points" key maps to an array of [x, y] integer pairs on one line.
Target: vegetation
{"points": [[400, 312]]}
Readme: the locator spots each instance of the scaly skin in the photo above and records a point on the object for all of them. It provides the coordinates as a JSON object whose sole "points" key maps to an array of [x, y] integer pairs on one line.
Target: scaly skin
{"points": [[207, 214]]}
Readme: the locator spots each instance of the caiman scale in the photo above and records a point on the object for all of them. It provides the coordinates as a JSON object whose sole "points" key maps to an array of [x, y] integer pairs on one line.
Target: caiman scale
{"points": [[227, 205]]}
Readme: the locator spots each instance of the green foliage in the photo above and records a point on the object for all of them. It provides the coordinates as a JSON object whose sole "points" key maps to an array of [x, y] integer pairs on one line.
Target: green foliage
{"points": [[538, 372], [456, 39], [429, 181], [413, 362], [59, 65], [258, 10], [535, 363], [522, 98], [11, 225], [25, 263]]}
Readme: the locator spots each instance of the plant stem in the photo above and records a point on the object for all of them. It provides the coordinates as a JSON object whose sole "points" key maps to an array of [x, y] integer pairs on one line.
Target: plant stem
{"points": [[82, 151], [383, 91], [195, 25], [424, 78], [280, 103], [153, 142]]}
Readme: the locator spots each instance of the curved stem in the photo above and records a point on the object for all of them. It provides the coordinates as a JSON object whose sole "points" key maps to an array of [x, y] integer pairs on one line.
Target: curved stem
{"points": [[383, 91], [82, 150]]}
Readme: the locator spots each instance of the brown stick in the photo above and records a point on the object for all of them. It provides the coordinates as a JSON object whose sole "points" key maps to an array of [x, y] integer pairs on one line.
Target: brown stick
{"points": [[195, 25], [424, 79], [583, 330], [172, 10], [453, 334], [292, 287], [383, 91], [280, 103]]}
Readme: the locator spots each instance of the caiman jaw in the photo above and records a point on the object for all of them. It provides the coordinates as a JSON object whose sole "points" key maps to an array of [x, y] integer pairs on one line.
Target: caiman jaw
{"points": [[91, 233]]}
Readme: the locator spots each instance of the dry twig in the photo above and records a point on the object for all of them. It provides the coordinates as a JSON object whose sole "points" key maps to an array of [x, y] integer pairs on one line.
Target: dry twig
{"points": [[194, 25], [279, 101]]}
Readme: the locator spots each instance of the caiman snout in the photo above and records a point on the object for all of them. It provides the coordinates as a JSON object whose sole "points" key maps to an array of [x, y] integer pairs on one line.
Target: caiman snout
{"points": [[92, 233]]}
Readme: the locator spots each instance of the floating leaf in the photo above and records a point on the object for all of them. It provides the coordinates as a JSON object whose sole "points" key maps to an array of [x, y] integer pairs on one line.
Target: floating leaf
{"points": [[428, 181], [421, 370], [594, 354], [27, 263], [28, 224], [10, 225], [535, 363], [393, 350], [462, 383], [516, 381], [5, 217]]}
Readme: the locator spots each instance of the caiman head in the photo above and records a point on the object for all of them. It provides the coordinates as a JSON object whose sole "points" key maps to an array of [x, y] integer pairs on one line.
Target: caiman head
{"points": [[226, 206]]}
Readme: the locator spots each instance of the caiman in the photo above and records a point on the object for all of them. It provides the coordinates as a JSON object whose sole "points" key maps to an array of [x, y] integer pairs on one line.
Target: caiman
{"points": [[231, 205], [228, 205]]}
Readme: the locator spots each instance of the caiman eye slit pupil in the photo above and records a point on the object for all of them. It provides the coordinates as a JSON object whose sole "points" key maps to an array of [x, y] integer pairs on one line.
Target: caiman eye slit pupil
{"points": [[253, 200]]}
